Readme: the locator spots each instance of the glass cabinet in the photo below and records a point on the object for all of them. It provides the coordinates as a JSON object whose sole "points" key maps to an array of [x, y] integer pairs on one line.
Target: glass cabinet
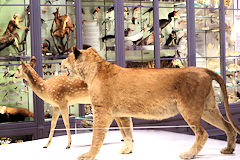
{"points": [[15, 96], [48, 29]]}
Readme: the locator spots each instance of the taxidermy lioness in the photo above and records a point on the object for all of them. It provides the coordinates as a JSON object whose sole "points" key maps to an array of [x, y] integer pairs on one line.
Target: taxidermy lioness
{"points": [[150, 94], [60, 92]]}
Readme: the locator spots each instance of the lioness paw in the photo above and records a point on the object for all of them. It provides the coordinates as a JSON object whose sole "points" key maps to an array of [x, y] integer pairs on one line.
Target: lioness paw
{"points": [[227, 150], [86, 156], [126, 150], [187, 155]]}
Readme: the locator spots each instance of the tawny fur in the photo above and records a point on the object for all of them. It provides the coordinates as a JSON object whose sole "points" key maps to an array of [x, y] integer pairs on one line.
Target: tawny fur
{"points": [[150, 94], [60, 92]]}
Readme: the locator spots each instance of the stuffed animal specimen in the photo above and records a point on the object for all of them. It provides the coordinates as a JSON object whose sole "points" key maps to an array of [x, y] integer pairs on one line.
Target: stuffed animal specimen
{"points": [[14, 114], [63, 27], [134, 92], [46, 47], [164, 22], [8, 38]]}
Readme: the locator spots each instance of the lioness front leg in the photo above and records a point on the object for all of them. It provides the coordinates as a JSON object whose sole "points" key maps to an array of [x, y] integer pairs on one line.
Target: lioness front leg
{"points": [[101, 122], [126, 128], [56, 112]]}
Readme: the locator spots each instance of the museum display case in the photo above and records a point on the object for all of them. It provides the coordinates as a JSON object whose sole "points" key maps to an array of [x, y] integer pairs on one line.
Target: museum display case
{"points": [[130, 33], [16, 97]]}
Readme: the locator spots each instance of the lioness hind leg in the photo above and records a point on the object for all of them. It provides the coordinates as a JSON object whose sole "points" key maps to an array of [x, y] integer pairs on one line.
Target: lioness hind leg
{"points": [[126, 127], [215, 118], [194, 121]]}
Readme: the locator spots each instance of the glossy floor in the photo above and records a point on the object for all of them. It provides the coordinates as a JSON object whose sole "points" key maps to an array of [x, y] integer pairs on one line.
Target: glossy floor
{"points": [[148, 145]]}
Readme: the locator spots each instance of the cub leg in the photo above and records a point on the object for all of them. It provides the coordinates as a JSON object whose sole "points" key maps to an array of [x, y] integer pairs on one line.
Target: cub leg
{"points": [[126, 123], [65, 115], [101, 122], [56, 112], [215, 118], [194, 121]]}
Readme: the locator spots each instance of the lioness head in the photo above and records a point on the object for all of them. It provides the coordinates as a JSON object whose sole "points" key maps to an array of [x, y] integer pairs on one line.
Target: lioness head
{"points": [[23, 69], [79, 61]]}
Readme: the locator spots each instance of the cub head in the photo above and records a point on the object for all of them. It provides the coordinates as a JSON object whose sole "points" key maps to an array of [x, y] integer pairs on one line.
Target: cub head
{"points": [[24, 68], [80, 60]]}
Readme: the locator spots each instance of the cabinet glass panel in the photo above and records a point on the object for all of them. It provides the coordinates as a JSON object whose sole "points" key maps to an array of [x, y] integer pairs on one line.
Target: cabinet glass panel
{"points": [[208, 39], [52, 68], [139, 41], [4, 2], [207, 32], [15, 96], [14, 31], [98, 27], [57, 28], [232, 22], [56, 2], [173, 34]]}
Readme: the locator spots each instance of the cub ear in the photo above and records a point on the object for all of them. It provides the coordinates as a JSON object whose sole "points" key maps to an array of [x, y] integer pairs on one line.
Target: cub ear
{"points": [[33, 61], [76, 52]]}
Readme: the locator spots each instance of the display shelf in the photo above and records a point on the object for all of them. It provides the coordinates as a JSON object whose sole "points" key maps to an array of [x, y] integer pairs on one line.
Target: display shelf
{"points": [[14, 58]]}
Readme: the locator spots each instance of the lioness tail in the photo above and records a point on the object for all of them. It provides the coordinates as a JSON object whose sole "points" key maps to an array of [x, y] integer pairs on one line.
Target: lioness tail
{"points": [[220, 80]]}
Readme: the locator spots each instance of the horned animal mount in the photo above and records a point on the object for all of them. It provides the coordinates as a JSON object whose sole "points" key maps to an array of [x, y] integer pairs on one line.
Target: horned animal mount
{"points": [[63, 27]]}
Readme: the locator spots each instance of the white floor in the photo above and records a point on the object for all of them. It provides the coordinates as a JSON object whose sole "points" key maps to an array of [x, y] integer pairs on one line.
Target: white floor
{"points": [[148, 145]]}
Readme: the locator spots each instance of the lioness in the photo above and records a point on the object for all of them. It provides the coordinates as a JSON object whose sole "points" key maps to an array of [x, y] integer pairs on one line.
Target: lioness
{"points": [[150, 94]]}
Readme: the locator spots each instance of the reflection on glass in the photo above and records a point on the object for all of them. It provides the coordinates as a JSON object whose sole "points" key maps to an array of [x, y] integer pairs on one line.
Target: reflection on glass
{"points": [[14, 96]]}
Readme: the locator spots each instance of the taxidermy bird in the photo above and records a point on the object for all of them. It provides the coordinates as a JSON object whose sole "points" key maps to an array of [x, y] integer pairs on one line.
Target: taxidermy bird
{"points": [[149, 10], [164, 22], [110, 9], [96, 10], [172, 39], [126, 31], [135, 38]]}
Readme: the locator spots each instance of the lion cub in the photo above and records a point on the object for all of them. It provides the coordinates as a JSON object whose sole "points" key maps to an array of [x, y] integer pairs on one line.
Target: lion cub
{"points": [[60, 92], [150, 94]]}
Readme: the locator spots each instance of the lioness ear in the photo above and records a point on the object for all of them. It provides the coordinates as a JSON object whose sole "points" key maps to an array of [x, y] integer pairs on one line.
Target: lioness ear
{"points": [[33, 61], [76, 52], [92, 49]]}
